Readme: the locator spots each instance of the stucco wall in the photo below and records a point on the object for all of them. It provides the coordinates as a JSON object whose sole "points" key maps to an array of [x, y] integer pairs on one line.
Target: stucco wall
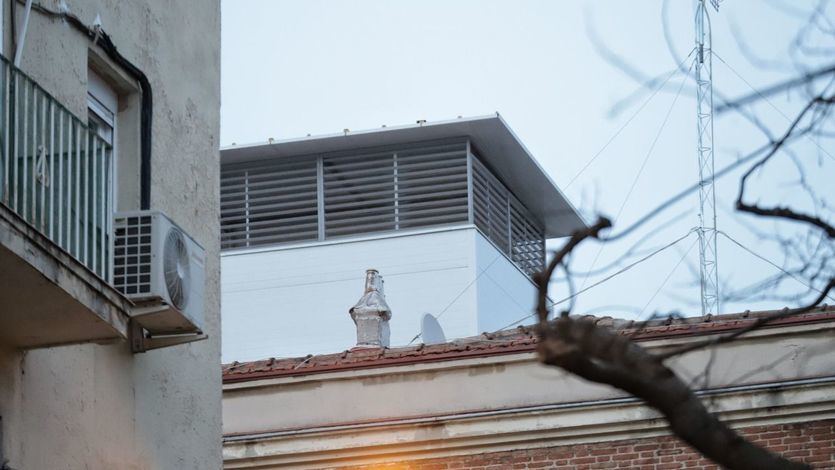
{"points": [[99, 406]]}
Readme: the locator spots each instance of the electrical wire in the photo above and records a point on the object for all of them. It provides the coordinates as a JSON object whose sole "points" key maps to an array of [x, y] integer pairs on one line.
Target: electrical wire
{"points": [[507, 294], [669, 275], [607, 278], [775, 265], [643, 165], [628, 121], [770, 103], [99, 37], [686, 192], [461, 293]]}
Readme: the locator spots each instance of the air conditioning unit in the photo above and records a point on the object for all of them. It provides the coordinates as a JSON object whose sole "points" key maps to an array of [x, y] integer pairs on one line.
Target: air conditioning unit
{"points": [[162, 269]]}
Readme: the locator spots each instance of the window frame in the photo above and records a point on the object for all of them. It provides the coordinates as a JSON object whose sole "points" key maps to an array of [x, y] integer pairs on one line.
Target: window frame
{"points": [[103, 107]]}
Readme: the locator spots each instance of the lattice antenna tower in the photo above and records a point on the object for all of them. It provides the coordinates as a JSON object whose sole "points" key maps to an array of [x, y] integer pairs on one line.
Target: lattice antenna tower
{"points": [[708, 270]]}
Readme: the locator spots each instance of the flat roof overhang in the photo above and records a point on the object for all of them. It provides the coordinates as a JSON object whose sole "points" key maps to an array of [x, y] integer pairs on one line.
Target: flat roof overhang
{"points": [[491, 138]]}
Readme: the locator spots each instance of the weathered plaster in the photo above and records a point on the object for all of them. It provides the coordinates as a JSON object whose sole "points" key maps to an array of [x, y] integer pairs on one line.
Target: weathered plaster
{"points": [[99, 406]]}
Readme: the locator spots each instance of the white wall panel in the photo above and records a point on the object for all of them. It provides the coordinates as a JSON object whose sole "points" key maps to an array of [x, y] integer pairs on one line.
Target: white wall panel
{"points": [[504, 294], [293, 301]]}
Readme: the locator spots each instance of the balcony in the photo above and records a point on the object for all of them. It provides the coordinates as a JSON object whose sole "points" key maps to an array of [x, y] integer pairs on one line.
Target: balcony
{"points": [[56, 200]]}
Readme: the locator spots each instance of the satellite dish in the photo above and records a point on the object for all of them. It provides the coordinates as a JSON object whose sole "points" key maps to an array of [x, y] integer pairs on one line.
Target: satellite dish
{"points": [[431, 331]]}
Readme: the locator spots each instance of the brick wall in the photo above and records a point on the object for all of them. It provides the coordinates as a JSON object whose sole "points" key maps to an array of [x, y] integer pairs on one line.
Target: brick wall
{"points": [[812, 442]]}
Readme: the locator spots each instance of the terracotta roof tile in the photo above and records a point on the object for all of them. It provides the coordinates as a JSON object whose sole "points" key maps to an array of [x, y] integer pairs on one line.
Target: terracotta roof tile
{"points": [[520, 339]]}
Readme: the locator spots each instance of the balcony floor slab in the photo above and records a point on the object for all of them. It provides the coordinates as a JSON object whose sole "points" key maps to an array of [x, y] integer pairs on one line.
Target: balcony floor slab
{"points": [[49, 298]]}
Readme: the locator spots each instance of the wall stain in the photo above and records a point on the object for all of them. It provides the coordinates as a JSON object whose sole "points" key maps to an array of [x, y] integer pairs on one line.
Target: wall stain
{"points": [[397, 378], [486, 369]]}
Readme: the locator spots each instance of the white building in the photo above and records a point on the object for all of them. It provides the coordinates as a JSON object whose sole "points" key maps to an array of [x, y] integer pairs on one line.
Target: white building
{"points": [[453, 214]]}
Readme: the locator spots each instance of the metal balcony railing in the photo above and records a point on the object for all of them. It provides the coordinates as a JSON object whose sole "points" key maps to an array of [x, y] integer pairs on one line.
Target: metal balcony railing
{"points": [[55, 172]]}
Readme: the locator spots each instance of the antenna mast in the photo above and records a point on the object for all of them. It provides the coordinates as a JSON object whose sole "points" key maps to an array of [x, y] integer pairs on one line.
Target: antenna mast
{"points": [[709, 275]]}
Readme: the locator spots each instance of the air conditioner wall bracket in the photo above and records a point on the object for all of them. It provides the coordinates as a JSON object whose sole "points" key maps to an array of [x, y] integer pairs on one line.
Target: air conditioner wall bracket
{"points": [[142, 341]]}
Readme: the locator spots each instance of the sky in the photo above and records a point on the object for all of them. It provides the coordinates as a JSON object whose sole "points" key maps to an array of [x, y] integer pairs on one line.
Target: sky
{"points": [[292, 68]]}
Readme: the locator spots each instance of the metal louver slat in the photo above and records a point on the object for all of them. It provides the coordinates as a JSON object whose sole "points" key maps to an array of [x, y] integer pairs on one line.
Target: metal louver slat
{"points": [[435, 220], [275, 203], [412, 187], [527, 240], [506, 222], [432, 186], [268, 202], [286, 187], [358, 194], [290, 222], [275, 238], [259, 176]]}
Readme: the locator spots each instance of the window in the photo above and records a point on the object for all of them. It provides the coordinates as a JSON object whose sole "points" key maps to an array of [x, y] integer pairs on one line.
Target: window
{"points": [[98, 156], [102, 105]]}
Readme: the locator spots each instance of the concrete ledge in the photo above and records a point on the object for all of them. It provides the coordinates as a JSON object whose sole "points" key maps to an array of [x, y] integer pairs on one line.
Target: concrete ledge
{"points": [[49, 298]]}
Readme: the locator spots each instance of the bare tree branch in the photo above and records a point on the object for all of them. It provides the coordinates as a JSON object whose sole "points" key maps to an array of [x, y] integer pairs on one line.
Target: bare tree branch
{"points": [[542, 279], [784, 212], [601, 355], [597, 353]]}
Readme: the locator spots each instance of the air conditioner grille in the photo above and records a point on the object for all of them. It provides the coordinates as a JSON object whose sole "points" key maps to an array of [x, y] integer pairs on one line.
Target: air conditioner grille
{"points": [[132, 256], [176, 268]]}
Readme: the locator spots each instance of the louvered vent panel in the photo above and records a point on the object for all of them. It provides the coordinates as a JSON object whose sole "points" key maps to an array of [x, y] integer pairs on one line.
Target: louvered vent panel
{"points": [[431, 186], [268, 203], [505, 221], [490, 199], [481, 197], [273, 202], [359, 194], [527, 240]]}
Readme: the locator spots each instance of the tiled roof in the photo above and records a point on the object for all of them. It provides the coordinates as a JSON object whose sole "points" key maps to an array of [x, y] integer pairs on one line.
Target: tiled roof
{"points": [[521, 339]]}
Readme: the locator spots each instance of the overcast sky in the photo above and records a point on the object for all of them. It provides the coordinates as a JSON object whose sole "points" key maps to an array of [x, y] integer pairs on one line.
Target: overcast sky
{"points": [[291, 68]]}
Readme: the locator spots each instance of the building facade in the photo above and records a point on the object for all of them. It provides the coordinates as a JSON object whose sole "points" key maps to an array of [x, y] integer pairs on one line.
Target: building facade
{"points": [[107, 106], [486, 402], [454, 214]]}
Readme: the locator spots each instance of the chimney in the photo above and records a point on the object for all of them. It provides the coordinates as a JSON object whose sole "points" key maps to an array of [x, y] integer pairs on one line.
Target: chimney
{"points": [[371, 314]]}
